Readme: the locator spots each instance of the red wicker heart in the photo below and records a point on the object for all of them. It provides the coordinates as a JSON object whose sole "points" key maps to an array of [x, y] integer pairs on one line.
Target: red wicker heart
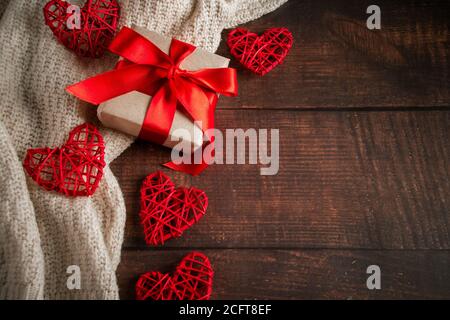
{"points": [[260, 54], [75, 169], [166, 211], [192, 280], [98, 21]]}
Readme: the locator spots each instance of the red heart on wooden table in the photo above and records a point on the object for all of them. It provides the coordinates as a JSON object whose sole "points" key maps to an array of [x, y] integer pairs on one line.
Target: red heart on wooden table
{"points": [[75, 169], [98, 23], [192, 280], [260, 54], [166, 211]]}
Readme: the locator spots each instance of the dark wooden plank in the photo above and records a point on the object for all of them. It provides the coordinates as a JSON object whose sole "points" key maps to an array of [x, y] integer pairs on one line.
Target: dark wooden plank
{"points": [[304, 274], [346, 180], [337, 62]]}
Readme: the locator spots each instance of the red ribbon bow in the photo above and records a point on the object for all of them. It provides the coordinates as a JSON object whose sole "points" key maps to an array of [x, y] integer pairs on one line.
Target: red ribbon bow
{"points": [[149, 70]]}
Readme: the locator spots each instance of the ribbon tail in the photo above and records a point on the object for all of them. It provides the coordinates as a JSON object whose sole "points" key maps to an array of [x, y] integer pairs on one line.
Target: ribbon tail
{"points": [[192, 169], [196, 169]]}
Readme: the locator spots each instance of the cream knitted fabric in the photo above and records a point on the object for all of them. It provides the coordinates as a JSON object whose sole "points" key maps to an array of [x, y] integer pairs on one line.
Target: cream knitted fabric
{"points": [[42, 233]]}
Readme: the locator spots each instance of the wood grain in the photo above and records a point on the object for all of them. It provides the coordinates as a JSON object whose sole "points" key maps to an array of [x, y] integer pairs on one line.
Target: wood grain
{"points": [[330, 67], [304, 274], [364, 164], [346, 180]]}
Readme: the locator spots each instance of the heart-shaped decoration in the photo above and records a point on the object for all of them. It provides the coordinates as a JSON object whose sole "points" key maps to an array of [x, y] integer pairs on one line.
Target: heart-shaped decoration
{"points": [[75, 169], [260, 54], [97, 25], [192, 280], [167, 211]]}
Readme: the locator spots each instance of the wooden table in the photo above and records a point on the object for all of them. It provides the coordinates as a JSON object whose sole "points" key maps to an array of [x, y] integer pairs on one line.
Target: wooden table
{"points": [[364, 164]]}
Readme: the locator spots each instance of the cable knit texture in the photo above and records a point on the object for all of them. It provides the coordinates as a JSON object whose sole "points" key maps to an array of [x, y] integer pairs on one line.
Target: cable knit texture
{"points": [[41, 232]]}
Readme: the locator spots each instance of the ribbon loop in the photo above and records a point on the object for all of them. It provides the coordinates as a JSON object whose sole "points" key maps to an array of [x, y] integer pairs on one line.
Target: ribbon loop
{"points": [[148, 69], [179, 51], [134, 47]]}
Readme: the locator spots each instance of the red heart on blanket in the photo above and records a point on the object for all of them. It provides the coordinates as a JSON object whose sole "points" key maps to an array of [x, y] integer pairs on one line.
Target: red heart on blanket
{"points": [[166, 211], [97, 25], [260, 54], [192, 280], [75, 169]]}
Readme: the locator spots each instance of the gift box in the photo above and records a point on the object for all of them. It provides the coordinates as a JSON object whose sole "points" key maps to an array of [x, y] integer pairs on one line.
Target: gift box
{"points": [[163, 90], [126, 113]]}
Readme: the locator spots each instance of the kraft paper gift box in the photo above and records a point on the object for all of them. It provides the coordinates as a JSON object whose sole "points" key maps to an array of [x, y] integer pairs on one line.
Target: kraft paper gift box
{"points": [[126, 112]]}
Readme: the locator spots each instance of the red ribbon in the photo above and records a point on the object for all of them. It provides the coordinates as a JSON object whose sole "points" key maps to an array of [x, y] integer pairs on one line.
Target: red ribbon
{"points": [[149, 70]]}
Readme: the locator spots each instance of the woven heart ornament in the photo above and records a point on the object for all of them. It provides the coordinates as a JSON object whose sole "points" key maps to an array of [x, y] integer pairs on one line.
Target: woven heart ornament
{"points": [[260, 54], [75, 169], [167, 211], [192, 280], [97, 25]]}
